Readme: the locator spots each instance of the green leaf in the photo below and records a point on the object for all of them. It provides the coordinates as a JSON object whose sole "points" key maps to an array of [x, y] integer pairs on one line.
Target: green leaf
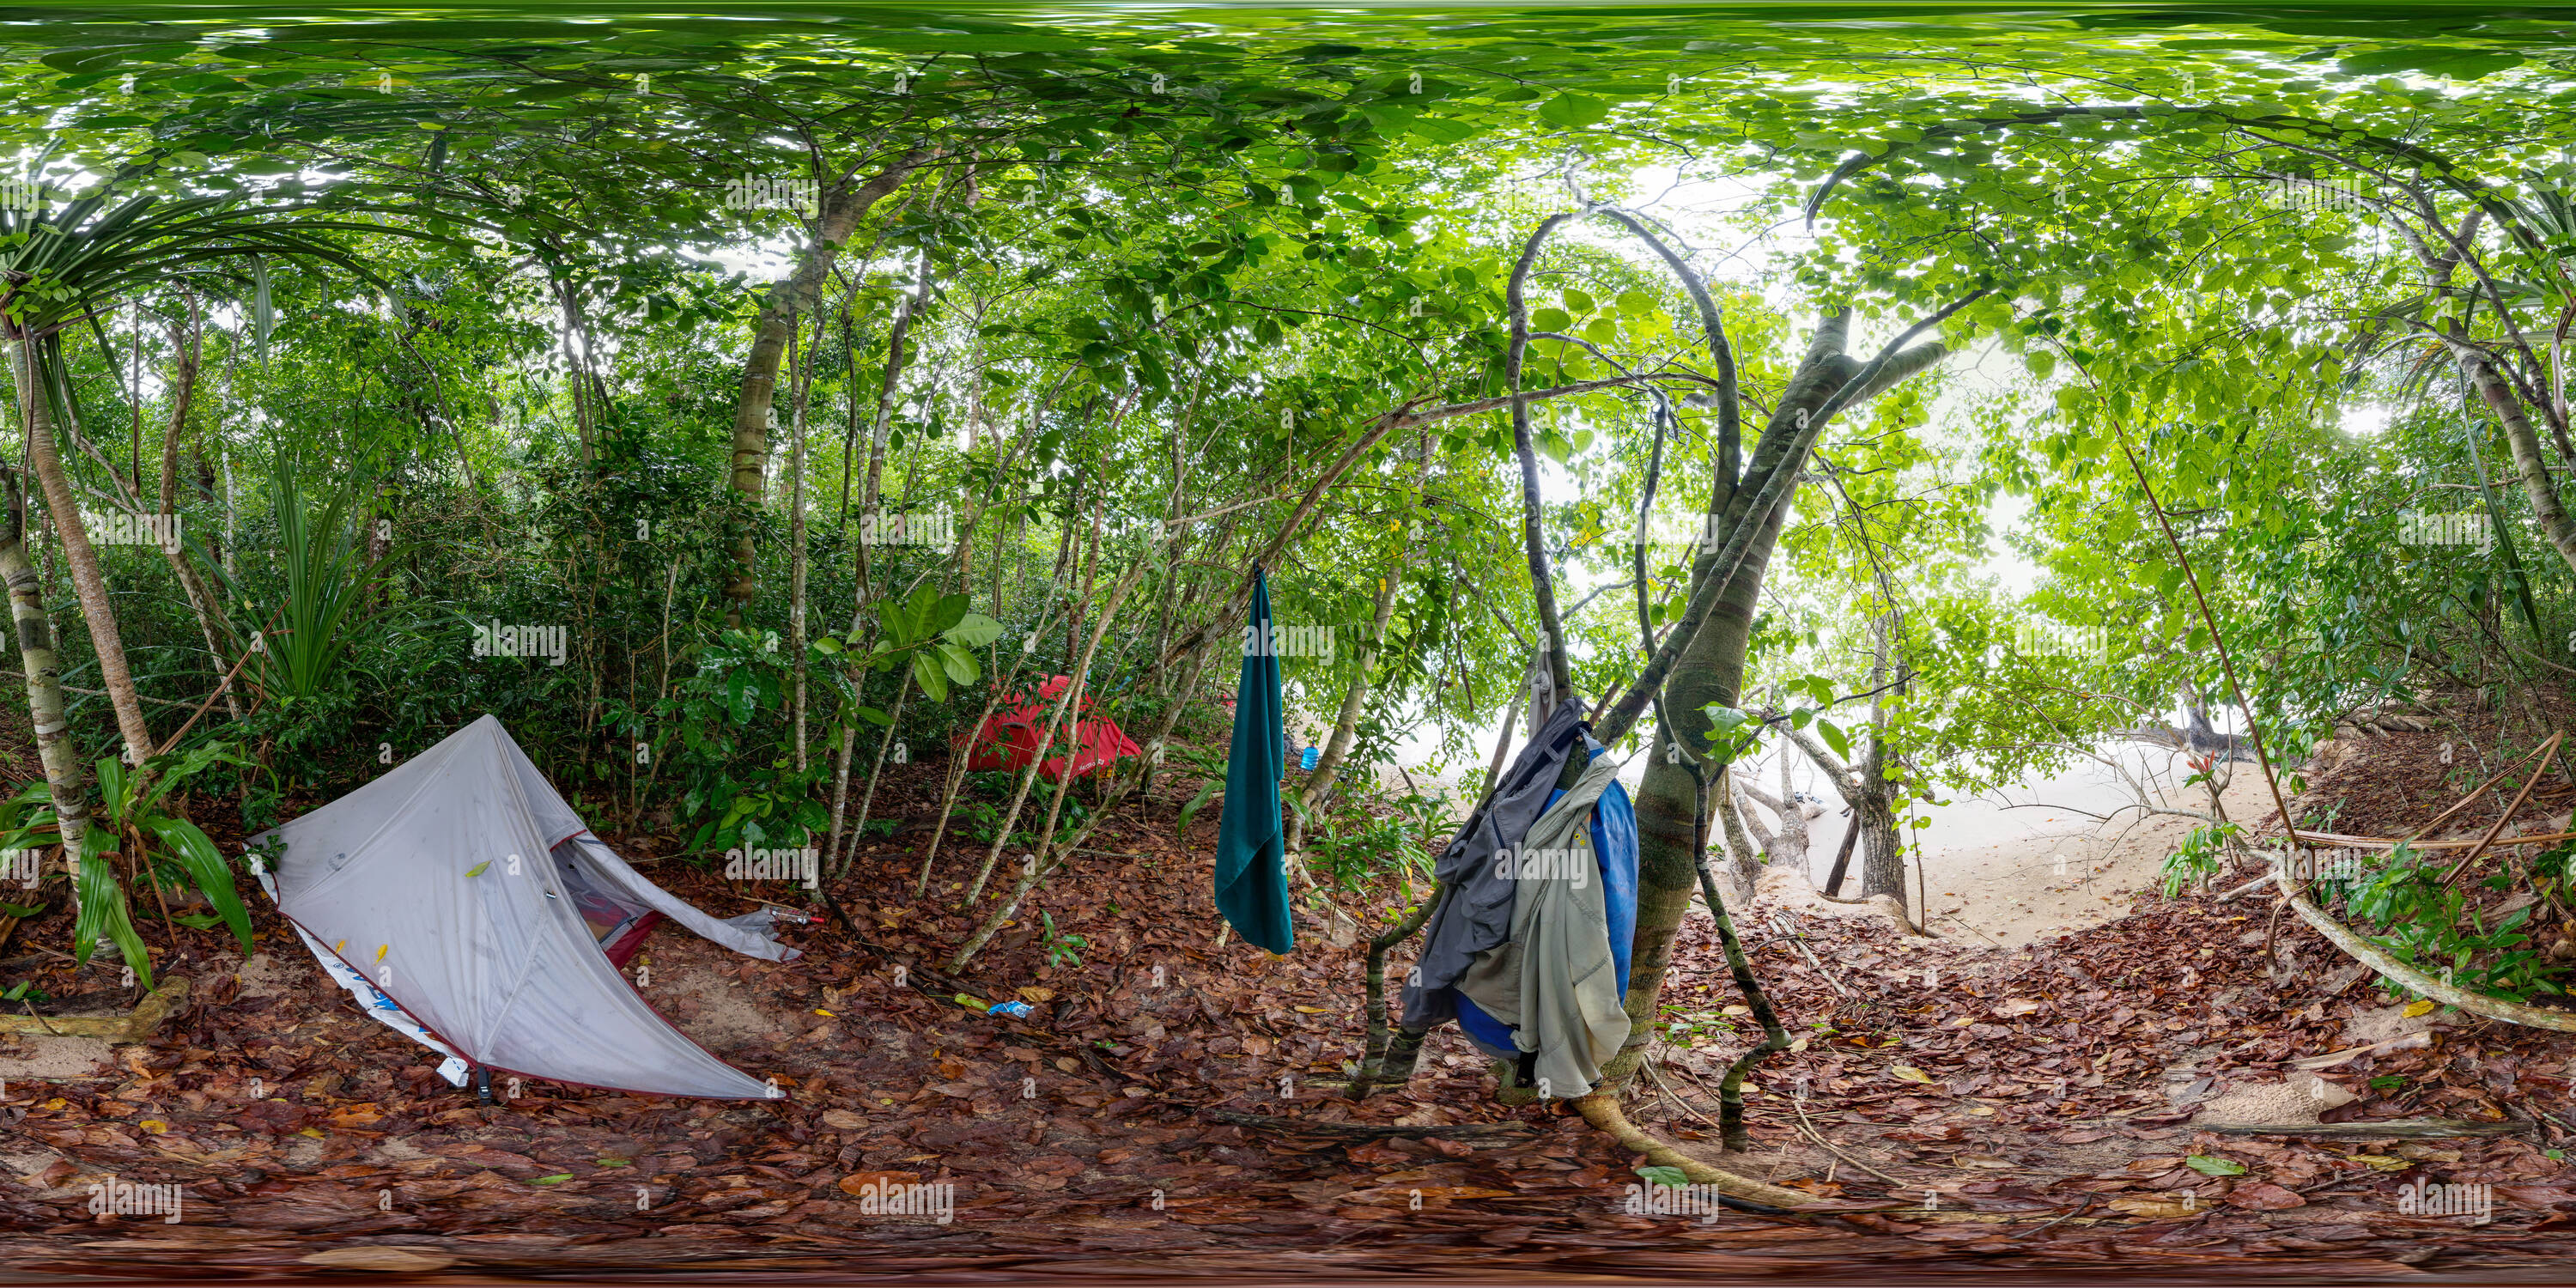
{"points": [[556, 1179], [959, 663], [2208, 1165], [1550, 319], [103, 914], [1440, 129], [1671, 1178], [872, 715], [927, 673], [477, 869], [1834, 738], [1572, 111], [1199, 802], [943, 613], [974, 630], [13, 910], [206, 867]]}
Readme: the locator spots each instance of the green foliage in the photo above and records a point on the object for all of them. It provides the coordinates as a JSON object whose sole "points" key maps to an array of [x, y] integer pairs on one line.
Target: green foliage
{"points": [[935, 634], [1366, 840], [1061, 949], [2410, 911], [2200, 857], [324, 578], [130, 819]]}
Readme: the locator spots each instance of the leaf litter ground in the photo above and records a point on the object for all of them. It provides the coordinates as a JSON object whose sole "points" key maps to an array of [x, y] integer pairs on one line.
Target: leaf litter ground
{"points": [[2009, 1111]]}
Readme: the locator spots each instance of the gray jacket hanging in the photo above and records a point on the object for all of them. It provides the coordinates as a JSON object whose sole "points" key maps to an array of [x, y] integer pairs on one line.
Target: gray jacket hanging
{"points": [[1476, 914]]}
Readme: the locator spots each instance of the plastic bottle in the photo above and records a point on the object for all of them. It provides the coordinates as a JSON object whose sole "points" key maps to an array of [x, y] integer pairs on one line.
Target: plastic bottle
{"points": [[1010, 1010]]}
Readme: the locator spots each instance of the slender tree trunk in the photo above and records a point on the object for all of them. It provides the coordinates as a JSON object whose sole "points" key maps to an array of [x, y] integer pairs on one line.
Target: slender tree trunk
{"points": [[2530, 462], [82, 559], [190, 346], [1749, 857], [789, 300], [66, 772], [1047, 856], [804, 379], [1328, 764]]}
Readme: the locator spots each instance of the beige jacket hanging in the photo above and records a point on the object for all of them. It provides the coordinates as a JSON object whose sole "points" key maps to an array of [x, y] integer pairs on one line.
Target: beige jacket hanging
{"points": [[1555, 981]]}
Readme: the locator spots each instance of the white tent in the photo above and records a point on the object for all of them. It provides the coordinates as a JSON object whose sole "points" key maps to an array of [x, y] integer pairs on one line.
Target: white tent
{"points": [[465, 904]]}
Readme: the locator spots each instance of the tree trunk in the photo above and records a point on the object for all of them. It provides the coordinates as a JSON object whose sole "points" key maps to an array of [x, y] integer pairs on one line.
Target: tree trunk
{"points": [[66, 773], [1883, 854], [1749, 857], [789, 300], [1328, 764], [82, 559], [2529, 461], [804, 380], [1709, 671], [183, 399]]}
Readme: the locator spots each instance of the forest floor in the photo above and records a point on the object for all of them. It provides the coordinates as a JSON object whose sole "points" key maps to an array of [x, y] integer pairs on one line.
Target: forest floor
{"points": [[1997, 1109]]}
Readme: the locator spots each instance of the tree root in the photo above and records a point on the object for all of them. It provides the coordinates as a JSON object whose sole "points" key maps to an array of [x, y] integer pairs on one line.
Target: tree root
{"points": [[1603, 1112]]}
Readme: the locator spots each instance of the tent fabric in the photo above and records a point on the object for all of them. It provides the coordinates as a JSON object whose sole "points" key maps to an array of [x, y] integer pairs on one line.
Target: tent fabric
{"points": [[1251, 849], [463, 889], [1009, 739]]}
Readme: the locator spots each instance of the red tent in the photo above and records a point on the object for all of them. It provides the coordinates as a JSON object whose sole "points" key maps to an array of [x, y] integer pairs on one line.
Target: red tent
{"points": [[1010, 738]]}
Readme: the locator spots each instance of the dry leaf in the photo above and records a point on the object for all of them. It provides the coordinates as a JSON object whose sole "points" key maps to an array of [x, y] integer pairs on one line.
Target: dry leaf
{"points": [[1909, 1073], [857, 1181], [2264, 1196]]}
